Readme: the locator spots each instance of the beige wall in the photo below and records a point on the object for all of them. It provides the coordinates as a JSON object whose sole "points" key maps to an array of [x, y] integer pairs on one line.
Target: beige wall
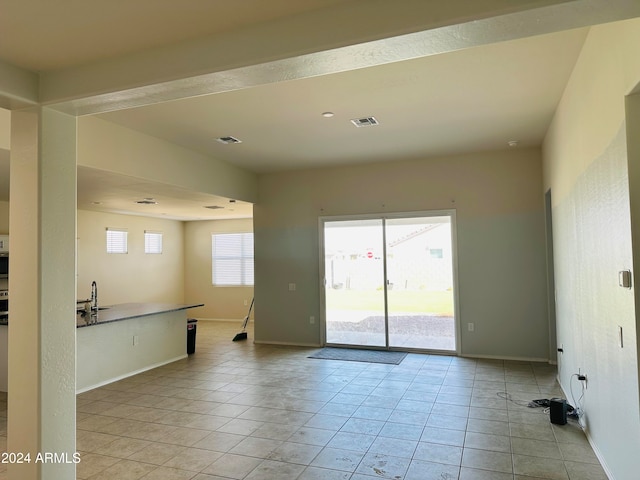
{"points": [[135, 276], [586, 168], [4, 217], [221, 303], [107, 146], [501, 249]]}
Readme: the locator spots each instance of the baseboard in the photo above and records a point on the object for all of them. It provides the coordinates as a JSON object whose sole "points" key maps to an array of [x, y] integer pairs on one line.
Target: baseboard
{"points": [[131, 374], [289, 344], [594, 447], [224, 320], [500, 357]]}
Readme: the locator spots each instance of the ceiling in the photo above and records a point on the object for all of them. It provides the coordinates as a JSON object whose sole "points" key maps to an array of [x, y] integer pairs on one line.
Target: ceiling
{"points": [[475, 99]]}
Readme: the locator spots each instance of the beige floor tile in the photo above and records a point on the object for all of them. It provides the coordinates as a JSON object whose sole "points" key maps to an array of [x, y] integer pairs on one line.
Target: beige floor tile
{"points": [[237, 410], [315, 473], [535, 448], [539, 467], [255, 447], [298, 453], [338, 459], [123, 447], [157, 453], [437, 453], [486, 460], [165, 473], [233, 466], [92, 464], [422, 470], [125, 470], [383, 466], [484, 441], [193, 459], [272, 470]]}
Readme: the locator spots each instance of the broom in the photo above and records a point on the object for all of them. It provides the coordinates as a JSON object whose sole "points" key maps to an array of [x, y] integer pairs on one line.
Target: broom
{"points": [[243, 334]]}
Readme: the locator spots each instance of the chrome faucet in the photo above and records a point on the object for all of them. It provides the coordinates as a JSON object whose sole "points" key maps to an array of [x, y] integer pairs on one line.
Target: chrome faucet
{"points": [[94, 296]]}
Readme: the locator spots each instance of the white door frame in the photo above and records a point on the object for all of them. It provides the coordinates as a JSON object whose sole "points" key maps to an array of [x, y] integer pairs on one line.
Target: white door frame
{"points": [[451, 213]]}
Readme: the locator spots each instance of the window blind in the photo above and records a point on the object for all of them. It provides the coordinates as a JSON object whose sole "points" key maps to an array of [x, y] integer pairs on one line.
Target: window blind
{"points": [[232, 259], [152, 242], [116, 240]]}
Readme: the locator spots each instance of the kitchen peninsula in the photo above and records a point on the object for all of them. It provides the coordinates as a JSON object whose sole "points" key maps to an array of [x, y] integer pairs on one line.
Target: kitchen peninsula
{"points": [[121, 340]]}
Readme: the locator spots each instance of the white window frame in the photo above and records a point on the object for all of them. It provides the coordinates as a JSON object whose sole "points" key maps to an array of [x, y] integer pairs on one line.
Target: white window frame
{"points": [[232, 261], [152, 242], [117, 240]]}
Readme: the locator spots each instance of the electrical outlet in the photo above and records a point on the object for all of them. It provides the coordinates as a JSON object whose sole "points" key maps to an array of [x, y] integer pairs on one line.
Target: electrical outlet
{"points": [[292, 287], [312, 320], [471, 327], [246, 302]]}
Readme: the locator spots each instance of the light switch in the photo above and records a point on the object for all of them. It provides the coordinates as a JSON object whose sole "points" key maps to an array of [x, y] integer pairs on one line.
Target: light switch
{"points": [[624, 278]]}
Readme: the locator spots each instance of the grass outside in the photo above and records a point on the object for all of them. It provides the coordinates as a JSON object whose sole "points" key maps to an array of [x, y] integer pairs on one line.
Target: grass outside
{"points": [[413, 301]]}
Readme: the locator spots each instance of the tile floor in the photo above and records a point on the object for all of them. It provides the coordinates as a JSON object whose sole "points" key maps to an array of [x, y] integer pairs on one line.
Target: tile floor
{"points": [[236, 410]]}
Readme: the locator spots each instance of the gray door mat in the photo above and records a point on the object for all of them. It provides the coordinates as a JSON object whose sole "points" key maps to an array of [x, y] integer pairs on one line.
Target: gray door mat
{"points": [[355, 355]]}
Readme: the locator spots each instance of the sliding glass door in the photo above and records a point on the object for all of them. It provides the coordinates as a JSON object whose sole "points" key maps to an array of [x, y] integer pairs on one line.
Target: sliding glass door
{"points": [[354, 278], [389, 282]]}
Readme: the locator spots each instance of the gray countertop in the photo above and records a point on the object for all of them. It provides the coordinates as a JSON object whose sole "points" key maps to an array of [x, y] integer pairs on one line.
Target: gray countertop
{"points": [[126, 311]]}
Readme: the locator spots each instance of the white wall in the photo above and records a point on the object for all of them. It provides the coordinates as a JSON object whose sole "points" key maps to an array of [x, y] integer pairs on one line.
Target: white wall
{"points": [[135, 276], [585, 165], [106, 353], [501, 246], [221, 303]]}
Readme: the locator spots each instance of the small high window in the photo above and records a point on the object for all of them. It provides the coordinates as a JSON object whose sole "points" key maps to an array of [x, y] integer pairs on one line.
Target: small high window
{"points": [[117, 240], [152, 242]]}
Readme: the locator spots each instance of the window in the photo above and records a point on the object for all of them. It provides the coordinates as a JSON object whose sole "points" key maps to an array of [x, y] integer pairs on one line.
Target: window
{"points": [[116, 240], [232, 256], [152, 242]]}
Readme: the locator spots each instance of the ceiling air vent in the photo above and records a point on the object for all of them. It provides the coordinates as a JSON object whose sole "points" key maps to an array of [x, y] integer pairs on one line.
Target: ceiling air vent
{"points": [[228, 140], [147, 201], [213, 207], [364, 122]]}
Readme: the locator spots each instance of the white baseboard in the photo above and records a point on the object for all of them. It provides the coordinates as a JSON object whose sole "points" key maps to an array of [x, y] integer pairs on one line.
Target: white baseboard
{"points": [[130, 374], [500, 357], [594, 446], [224, 320], [290, 344]]}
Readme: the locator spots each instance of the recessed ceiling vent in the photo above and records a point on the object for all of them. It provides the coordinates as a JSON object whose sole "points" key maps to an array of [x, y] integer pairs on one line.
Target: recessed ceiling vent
{"points": [[365, 122], [228, 140], [213, 207], [147, 201]]}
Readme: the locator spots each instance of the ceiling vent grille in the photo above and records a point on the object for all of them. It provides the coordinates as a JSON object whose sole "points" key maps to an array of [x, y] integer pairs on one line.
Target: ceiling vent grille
{"points": [[228, 140], [147, 201], [213, 207], [365, 122]]}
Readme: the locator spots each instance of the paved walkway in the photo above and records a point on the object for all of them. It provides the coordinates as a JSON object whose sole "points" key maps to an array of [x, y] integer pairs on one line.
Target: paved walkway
{"points": [[426, 332]]}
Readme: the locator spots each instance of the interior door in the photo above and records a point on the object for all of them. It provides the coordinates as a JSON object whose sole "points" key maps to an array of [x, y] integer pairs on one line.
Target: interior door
{"points": [[354, 283]]}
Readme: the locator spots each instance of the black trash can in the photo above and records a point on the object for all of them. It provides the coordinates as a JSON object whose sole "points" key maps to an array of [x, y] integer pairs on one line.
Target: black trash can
{"points": [[191, 335]]}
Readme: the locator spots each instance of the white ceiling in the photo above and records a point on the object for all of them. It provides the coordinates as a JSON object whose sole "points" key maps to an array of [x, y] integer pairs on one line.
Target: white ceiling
{"points": [[475, 99], [469, 100]]}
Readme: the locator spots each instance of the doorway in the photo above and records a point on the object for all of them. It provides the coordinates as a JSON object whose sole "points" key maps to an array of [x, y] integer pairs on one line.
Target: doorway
{"points": [[389, 281]]}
